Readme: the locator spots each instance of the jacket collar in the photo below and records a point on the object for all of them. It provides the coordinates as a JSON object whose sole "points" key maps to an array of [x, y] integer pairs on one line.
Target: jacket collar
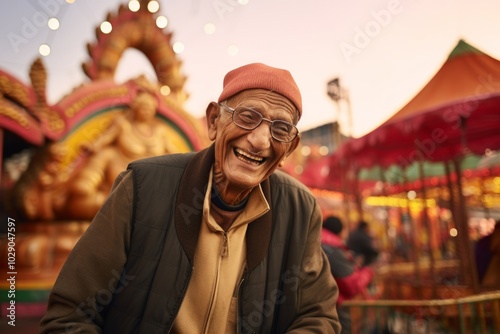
{"points": [[189, 210]]}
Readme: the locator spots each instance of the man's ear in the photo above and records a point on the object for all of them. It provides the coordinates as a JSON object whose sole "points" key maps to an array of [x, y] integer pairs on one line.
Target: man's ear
{"points": [[212, 113]]}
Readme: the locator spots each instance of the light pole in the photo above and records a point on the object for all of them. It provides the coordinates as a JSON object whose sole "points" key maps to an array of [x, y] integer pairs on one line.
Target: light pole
{"points": [[338, 93], [333, 91]]}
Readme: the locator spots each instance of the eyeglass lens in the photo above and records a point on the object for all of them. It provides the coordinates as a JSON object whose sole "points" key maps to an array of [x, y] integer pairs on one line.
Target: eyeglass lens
{"points": [[250, 119]]}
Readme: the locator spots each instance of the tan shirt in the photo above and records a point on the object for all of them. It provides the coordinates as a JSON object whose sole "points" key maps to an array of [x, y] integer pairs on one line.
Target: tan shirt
{"points": [[210, 303]]}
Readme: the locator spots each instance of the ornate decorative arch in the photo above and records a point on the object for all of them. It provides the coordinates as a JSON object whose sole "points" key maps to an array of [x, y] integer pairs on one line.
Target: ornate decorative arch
{"points": [[135, 30], [64, 130]]}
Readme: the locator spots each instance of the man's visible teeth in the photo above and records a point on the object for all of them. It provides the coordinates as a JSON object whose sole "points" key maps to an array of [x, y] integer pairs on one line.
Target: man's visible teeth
{"points": [[248, 156]]}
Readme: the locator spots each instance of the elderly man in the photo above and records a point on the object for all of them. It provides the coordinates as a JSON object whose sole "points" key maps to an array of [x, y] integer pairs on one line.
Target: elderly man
{"points": [[216, 241]]}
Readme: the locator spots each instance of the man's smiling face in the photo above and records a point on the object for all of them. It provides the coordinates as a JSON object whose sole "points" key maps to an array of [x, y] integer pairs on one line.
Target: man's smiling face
{"points": [[244, 158]]}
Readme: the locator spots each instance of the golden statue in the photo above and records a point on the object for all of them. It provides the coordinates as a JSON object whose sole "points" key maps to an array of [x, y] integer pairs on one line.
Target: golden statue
{"points": [[47, 195], [135, 134], [75, 188]]}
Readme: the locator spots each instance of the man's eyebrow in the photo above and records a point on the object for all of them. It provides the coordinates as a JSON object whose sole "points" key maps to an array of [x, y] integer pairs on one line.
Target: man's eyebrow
{"points": [[249, 106]]}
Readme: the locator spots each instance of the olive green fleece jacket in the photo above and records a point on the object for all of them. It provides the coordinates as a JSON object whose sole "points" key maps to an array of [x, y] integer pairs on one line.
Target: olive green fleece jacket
{"points": [[130, 270]]}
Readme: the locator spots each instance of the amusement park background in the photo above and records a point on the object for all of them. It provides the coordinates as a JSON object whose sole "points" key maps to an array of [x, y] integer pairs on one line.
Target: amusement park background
{"points": [[400, 129]]}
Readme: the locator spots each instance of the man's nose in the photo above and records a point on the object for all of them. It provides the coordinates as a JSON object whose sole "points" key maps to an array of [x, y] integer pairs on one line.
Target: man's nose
{"points": [[261, 137]]}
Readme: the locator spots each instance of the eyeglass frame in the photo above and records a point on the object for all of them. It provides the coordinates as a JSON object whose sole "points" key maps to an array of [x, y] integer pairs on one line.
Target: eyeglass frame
{"points": [[271, 122]]}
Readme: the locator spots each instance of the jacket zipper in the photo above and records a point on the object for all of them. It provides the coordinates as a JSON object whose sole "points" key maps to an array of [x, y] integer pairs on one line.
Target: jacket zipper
{"points": [[224, 251]]}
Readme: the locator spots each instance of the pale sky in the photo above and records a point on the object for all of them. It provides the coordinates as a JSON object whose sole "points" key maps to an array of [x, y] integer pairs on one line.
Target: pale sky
{"points": [[384, 51]]}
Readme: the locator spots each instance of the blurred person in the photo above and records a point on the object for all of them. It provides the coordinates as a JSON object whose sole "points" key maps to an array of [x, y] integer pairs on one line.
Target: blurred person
{"points": [[361, 243], [351, 279], [487, 253], [216, 241]]}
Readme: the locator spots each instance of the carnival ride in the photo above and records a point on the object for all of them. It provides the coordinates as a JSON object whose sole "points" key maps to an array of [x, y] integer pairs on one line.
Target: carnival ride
{"points": [[432, 149]]}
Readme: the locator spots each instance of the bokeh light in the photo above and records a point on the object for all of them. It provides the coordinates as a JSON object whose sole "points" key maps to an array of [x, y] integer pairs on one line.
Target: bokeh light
{"points": [[209, 28], [106, 27], [232, 50], [178, 47], [44, 50], [134, 5], [153, 6], [161, 22], [53, 23]]}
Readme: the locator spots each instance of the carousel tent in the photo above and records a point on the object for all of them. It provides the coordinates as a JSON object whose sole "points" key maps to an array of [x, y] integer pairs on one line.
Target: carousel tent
{"points": [[456, 112]]}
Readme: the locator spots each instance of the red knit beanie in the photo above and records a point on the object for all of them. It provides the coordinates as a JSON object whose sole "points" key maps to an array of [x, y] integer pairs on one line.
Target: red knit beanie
{"points": [[257, 75]]}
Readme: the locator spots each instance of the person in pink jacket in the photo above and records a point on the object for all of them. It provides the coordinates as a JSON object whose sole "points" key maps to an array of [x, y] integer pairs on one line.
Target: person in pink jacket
{"points": [[487, 253], [352, 280]]}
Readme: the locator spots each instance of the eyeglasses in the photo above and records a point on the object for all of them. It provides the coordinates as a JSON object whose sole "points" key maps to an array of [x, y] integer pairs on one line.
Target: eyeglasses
{"points": [[250, 119]]}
